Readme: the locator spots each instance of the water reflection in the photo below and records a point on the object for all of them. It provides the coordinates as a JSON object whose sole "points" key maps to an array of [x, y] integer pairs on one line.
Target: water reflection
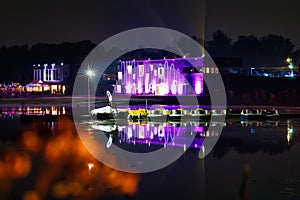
{"points": [[10, 112], [271, 138], [243, 136], [57, 166], [164, 134], [290, 131], [46, 160]]}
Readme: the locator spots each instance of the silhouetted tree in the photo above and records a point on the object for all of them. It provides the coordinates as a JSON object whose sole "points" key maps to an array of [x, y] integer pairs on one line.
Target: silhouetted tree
{"points": [[220, 45], [273, 50], [16, 61], [270, 50], [246, 47], [296, 57]]}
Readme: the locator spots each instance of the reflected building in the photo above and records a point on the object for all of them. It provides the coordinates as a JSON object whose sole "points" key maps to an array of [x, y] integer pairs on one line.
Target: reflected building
{"points": [[174, 134], [33, 110]]}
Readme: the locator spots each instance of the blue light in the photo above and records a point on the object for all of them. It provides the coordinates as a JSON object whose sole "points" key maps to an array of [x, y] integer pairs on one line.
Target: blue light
{"points": [[265, 74], [291, 65]]}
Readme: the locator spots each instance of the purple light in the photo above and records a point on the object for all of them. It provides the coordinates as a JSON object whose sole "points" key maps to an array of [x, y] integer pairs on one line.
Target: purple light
{"points": [[198, 129], [198, 83], [160, 77], [159, 134]]}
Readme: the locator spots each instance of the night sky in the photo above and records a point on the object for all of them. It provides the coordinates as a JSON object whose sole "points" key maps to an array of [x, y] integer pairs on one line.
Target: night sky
{"points": [[56, 21]]}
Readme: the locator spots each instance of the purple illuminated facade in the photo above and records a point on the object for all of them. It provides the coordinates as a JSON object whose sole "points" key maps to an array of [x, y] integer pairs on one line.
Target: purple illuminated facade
{"points": [[178, 76]]}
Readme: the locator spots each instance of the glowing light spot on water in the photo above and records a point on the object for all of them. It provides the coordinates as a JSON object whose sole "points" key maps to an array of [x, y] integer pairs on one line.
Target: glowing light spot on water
{"points": [[31, 195]]}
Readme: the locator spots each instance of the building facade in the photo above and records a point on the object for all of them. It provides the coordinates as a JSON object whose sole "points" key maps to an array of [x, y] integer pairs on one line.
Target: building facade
{"points": [[178, 76], [48, 78]]}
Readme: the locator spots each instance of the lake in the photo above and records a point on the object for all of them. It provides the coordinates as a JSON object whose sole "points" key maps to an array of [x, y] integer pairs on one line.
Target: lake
{"points": [[47, 160]]}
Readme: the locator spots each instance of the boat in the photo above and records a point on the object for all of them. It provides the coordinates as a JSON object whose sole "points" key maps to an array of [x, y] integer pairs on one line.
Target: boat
{"points": [[159, 114], [107, 112], [108, 128], [104, 113], [218, 114], [200, 113], [139, 114], [272, 114], [233, 113], [253, 114], [259, 114], [110, 111], [176, 114], [122, 114]]}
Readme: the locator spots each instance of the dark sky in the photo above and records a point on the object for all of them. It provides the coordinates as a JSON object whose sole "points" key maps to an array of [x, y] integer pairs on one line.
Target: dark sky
{"points": [[55, 21]]}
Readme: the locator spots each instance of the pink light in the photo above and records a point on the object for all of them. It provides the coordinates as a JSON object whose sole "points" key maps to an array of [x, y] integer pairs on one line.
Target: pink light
{"points": [[180, 89], [173, 90], [198, 87], [140, 86]]}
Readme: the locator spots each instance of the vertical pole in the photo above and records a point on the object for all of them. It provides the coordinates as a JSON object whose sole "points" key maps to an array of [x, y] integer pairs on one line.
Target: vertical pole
{"points": [[202, 172], [146, 104], [89, 101]]}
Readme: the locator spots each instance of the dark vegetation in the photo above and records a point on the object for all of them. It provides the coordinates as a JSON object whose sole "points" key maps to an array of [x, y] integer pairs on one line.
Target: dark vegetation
{"points": [[270, 50], [267, 51]]}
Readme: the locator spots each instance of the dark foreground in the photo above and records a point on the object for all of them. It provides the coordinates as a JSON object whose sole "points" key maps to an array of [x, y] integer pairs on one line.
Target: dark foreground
{"points": [[254, 160]]}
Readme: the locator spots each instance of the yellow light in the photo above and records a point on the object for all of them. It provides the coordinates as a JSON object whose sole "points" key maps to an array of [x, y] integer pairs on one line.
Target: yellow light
{"points": [[90, 167], [288, 138], [288, 60]]}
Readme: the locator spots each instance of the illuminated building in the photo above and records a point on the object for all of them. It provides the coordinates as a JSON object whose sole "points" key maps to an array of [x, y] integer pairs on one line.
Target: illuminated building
{"points": [[48, 79], [178, 76]]}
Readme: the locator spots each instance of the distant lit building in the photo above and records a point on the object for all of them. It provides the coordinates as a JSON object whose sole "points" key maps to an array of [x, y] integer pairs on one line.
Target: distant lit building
{"points": [[48, 78], [178, 76], [109, 77]]}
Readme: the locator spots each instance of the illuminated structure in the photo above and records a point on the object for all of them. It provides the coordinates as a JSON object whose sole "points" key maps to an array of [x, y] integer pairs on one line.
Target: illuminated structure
{"points": [[47, 79], [178, 76]]}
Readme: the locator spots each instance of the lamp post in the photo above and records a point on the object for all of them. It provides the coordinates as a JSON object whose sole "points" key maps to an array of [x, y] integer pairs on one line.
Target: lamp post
{"points": [[291, 66], [89, 74]]}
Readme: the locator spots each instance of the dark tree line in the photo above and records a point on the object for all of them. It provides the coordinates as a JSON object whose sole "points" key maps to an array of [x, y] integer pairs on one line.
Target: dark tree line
{"points": [[16, 61], [271, 50]]}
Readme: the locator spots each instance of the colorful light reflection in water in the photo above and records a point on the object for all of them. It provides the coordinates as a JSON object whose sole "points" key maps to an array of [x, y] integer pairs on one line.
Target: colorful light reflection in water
{"points": [[166, 134]]}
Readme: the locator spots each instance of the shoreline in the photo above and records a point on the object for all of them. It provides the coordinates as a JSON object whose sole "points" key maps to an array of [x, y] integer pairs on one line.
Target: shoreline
{"points": [[67, 101]]}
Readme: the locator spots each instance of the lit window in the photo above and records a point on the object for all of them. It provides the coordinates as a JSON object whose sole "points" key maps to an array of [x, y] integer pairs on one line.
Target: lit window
{"points": [[216, 70], [129, 69], [207, 70]]}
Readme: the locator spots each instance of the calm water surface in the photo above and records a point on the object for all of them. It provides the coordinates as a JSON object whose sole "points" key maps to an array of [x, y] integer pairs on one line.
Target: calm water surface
{"points": [[251, 160]]}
